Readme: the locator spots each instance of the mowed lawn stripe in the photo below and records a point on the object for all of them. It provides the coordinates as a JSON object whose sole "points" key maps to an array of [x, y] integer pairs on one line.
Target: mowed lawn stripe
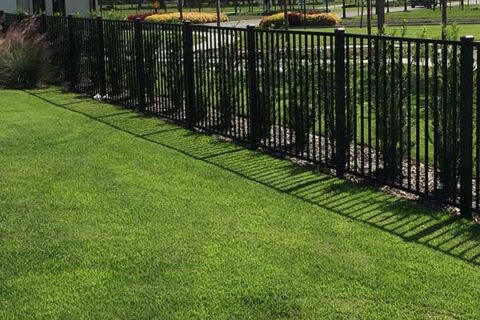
{"points": [[107, 214]]}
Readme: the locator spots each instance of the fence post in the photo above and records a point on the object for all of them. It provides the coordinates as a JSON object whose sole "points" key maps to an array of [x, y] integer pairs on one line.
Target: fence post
{"points": [[139, 65], [466, 101], [340, 134], [43, 23], [101, 57], [71, 53], [188, 68], [252, 86], [2, 21]]}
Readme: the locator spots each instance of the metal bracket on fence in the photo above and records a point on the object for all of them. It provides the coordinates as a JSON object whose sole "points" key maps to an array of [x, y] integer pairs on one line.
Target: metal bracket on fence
{"points": [[466, 102]]}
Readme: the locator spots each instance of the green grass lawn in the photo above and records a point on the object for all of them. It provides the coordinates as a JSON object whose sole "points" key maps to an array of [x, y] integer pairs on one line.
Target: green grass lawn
{"points": [[470, 14], [431, 31], [453, 14], [107, 214]]}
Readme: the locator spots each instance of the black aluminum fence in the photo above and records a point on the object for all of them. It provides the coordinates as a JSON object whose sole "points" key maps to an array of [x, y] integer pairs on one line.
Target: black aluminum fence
{"points": [[398, 111]]}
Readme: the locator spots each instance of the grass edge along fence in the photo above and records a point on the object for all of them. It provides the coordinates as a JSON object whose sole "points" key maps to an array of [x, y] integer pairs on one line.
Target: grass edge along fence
{"points": [[394, 110]]}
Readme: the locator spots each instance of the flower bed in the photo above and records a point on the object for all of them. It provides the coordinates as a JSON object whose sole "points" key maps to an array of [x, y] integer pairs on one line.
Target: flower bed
{"points": [[194, 17]]}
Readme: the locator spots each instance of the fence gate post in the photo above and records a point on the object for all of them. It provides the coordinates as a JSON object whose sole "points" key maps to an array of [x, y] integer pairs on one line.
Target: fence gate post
{"points": [[189, 70], [466, 101], [139, 64], [340, 134], [71, 53], [252, 86], [101, 57]]}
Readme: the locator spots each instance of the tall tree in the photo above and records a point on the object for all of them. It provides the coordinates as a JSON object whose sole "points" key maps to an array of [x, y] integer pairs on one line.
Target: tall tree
{"points": [[218, 13], [381, 16], [369, 17], [444, 18], [180, 8]]}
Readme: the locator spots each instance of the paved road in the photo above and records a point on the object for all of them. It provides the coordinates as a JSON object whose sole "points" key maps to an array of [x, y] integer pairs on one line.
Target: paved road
{"points": [[350, 14]]}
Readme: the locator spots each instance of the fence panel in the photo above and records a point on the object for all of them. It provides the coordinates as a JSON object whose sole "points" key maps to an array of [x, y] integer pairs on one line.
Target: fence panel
{"points": [[296, 90], [86, 56], [120, 69], [403, 98], [56, 30], [220, 81], [164, 74]]}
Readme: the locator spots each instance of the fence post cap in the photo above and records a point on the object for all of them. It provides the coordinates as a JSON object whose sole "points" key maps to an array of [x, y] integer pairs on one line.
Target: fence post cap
{"points": [[468, 38], [187, 22], [250, 27], [340, 30]]}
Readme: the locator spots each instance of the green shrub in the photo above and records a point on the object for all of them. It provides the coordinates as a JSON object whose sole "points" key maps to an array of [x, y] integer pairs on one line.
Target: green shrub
{"points": [[25, 56], [298, 19]]}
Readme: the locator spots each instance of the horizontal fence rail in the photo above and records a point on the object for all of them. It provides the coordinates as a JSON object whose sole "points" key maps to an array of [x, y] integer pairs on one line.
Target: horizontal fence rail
{"points": [[403, 112]]}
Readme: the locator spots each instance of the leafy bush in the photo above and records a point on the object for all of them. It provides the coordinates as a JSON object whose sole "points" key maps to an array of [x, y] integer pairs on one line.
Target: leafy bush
{"points": [[25, 57], [140, 16], [194, 17], [297, 19], [274, 21], [173, 77], [322, 19], [448, 123], [164, 17], [300, 110], [120, 65], [390, 108], [112, 14]]}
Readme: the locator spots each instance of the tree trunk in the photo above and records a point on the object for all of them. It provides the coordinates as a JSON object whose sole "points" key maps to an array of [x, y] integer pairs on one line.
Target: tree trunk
{"points": [[381, 16], [369, 17], [444, 18], [180, 8], [218, 13]]}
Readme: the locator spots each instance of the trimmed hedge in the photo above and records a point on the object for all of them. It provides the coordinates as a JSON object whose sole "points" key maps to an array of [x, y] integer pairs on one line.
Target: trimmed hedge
{"points": [[194, 17], [297, 19]]}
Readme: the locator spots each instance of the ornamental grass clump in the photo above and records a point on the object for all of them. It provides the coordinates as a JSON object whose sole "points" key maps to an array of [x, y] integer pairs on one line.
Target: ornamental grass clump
{"points": [[25, 56]]}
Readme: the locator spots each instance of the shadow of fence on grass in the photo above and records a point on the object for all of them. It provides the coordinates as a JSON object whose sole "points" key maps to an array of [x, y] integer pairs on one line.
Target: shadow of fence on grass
{"points": [[406, 219]]}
